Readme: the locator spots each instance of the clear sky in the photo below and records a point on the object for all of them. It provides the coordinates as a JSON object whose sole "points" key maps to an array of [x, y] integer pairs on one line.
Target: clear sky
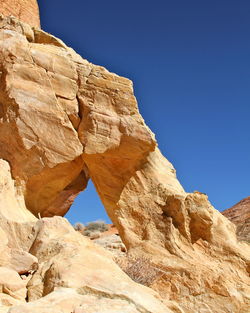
{"points": [[190, 63]]}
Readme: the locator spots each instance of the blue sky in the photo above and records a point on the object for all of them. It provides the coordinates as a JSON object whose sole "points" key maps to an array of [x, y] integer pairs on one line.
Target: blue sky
{"points": [[190, 63]]}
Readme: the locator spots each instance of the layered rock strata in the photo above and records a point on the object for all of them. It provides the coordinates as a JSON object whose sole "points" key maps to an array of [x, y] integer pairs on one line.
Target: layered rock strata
{"points": [[239, 214], [64, 120]]}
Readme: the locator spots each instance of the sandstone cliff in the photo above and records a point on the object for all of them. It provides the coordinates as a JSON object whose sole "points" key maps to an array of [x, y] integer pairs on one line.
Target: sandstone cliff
{"points": [[64, 120], [239, 214]]}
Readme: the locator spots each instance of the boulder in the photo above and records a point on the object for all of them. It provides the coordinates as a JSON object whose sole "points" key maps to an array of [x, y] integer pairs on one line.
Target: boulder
{"points": [[12, 284], [68, 259], [67, 300], [23, 262]]}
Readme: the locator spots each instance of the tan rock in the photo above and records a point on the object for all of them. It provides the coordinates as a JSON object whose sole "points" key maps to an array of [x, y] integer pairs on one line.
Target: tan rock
{"points": [[16, 221], [46, 159], [23, 262], [12, 284], [12, 202], [63, 120], [67, 300], [18, 260], [8, 301], [112, 243], [25, 10], [68, 259]]}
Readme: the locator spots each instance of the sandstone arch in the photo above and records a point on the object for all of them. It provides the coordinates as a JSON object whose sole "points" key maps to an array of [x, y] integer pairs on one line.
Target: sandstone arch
{"points": [[63, 120]]}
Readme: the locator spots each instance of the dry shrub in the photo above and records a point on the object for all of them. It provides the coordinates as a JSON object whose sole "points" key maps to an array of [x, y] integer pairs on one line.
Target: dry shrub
{"points": [[100, 226], [140, 269], [91, 228], [95, 227], [79, 227]]}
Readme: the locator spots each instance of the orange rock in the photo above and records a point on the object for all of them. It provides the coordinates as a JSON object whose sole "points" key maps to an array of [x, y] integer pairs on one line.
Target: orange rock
{"points": [[239, 214], [25, 10]]}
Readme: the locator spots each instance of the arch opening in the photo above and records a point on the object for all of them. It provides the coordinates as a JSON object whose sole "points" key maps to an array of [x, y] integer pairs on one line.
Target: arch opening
{"points": [[87, 207]]}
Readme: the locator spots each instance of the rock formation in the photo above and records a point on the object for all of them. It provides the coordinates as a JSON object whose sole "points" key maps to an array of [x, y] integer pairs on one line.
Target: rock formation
{"points": [[25, 10], [64, 120], [239, 214]]}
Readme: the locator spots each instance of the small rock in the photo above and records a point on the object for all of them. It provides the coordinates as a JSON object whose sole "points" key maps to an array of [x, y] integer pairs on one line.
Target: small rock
{"points": [[12, 284], [23, 262]]}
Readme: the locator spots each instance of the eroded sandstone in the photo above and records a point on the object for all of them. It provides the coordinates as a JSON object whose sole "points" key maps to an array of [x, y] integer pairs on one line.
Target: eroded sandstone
{"points": [[25, 10], [64, 120]]}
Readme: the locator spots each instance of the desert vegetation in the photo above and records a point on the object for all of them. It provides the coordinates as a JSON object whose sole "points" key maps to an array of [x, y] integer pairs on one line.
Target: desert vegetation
{"points": [[140, 269], [91, 229]]}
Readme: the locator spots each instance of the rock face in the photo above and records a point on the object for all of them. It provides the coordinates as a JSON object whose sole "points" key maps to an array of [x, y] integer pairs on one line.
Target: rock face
{"points": [[239, 214], [73, 275], [64, 120], [69, 260], [25, 10]]}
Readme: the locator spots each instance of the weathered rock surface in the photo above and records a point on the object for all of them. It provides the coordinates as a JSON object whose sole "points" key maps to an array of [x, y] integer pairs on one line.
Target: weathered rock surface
{"points": [[86, 272], [25, 10], [112, 243], [239, 214], [6, 302], [65, 300], [12, 284], [22, 262], [63, 120]]}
